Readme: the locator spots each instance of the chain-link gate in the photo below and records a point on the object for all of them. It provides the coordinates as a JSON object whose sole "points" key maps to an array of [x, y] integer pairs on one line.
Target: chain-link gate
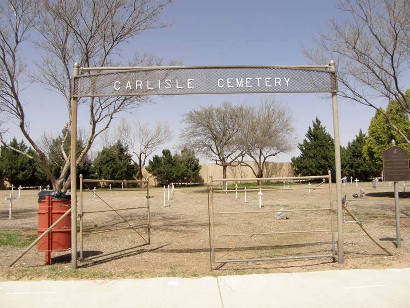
{"points": [[258, 222], [130, 223]]}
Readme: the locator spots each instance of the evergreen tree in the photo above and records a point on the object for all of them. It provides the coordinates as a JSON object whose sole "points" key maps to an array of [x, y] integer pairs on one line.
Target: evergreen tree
{"points": [[163, 168], [176, 168], [380, 134], [17, 168], [114, 163], [188, 167], [316, 152], [354, 163]]}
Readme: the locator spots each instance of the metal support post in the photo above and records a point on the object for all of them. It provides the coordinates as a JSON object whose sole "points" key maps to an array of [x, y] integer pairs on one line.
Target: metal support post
{"points": [[397, 210], [81, 218], [340, 252], [332, 215], [73, 172], [148, 214]]}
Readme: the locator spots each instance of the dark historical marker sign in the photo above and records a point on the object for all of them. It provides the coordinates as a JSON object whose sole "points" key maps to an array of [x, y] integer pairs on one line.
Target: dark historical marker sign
{"points": [[395, 164]]}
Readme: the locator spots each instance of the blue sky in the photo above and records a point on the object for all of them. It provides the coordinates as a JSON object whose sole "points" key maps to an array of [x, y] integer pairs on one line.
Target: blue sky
{"points": [[221, 33]]}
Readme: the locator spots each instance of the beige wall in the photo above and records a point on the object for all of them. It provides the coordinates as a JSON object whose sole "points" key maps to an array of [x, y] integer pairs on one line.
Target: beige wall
{"points": [[208, 170], [271, 170]]}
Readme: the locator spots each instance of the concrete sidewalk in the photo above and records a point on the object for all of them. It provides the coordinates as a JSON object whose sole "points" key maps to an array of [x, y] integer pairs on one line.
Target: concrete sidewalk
{"points": [[344, 288]]}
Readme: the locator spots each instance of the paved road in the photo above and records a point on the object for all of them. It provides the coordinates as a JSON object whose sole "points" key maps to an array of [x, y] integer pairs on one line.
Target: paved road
{"points": [[344, 288]]}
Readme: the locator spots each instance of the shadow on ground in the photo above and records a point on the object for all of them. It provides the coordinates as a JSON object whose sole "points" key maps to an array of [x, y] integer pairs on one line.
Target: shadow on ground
{"points": [[388, 194], [116, 255]]}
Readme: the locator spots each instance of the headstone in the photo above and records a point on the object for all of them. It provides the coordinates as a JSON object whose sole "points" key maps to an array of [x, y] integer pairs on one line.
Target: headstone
{"points": [[362, 193], [281, 215]]}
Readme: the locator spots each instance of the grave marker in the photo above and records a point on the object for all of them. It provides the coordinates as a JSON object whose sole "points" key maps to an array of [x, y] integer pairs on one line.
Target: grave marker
{"points": [[10, 199]]}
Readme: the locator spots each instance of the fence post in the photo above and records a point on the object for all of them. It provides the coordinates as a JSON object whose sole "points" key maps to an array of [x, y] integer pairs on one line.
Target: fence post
{"points": [[338, 166], [236, 191], [164, 195]]}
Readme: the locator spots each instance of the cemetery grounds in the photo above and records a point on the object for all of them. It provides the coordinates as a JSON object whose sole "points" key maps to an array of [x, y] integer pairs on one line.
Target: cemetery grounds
{"points": [[179, 237]]}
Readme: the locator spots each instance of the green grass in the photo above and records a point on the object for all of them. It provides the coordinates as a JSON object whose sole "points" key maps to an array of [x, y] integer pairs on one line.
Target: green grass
{"points": [[16, 239], [63, 272]]}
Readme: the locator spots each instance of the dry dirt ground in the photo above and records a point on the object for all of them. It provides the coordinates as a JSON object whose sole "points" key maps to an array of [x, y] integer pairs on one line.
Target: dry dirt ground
{"points": [[179, 235]]}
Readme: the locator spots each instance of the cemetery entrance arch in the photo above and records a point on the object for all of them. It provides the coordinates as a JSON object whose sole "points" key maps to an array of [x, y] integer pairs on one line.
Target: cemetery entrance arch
{"points": [[183, 80]]}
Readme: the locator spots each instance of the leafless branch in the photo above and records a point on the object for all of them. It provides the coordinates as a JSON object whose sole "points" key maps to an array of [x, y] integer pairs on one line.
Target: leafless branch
{"points": [[267, 131], [142, 140], [90, 32], [372, 51], [213, 132]]}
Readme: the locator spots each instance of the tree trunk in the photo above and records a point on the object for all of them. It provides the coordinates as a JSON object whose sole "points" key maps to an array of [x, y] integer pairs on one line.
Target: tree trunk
{"points": [[224, 168], [259, 175]]}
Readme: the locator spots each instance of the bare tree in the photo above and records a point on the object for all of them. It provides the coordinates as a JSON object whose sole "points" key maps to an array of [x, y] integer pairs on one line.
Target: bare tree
{"points": [[88, 32], [143, 141], [214, 131], [372, 51], [267, 132]]}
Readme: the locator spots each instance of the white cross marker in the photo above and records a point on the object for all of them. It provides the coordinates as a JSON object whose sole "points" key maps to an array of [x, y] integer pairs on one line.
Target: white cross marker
{"points": [[260, 194], [11, 198], [246, 201]]}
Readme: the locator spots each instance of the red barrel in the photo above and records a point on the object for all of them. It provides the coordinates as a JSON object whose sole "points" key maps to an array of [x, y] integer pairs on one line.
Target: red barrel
{"points": [[51, 206]]}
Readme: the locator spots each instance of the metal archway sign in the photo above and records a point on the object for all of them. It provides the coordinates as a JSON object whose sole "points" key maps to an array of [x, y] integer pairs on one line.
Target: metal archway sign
{"points": [[177, 80], [185, 80]]}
